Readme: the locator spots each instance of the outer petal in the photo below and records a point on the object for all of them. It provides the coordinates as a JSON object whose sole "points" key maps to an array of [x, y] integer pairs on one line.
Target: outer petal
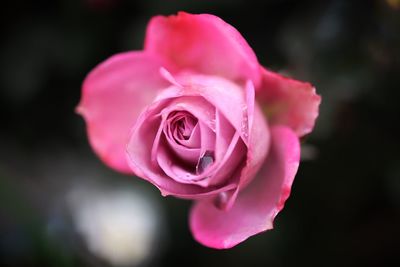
{"points": [[113, 95], [202, 43], [256, 206], [288, 102]]}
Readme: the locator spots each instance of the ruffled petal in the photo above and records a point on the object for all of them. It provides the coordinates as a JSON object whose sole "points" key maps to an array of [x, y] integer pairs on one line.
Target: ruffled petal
{"points": [[288, 102], [113, 95], [203, 43], [258, 204]]}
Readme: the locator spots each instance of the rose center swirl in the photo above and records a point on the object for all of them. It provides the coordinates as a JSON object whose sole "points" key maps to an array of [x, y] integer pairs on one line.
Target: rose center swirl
{"points": [[182, 125], [184, 134]]}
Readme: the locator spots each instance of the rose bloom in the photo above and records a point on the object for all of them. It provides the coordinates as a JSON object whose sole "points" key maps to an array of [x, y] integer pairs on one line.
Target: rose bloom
{"points": [[195, 114]]}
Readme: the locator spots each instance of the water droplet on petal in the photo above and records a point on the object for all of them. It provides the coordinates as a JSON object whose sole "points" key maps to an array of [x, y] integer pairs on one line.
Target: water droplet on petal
{"points": [[205, 161], [245, 122], [212, 124]]}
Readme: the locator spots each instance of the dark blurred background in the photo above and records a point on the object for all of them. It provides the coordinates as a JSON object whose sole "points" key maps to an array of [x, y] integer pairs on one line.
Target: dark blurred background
{"points": [[60, 206]]}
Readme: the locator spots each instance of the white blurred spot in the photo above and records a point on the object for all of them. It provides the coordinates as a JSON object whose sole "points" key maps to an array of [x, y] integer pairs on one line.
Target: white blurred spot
{"points": [[119, 226]]}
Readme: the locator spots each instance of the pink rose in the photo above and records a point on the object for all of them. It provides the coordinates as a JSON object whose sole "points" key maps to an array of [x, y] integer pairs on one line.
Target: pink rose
{"points": [[196, 115]]}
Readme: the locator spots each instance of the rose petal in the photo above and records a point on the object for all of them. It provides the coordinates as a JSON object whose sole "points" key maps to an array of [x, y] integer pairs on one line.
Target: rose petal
{"points": [[288, 102], [207, 138], [230, 150], [188, 154], [172, 169], [224, 133], [180, 126], [202, 43], [178, 170], [259, 137], [258, 145], [204, 113], [114, 93], [228, 97], [223, 171], [194, 104], [257, 205], [194, 139], [239, 109], [139, 147]]}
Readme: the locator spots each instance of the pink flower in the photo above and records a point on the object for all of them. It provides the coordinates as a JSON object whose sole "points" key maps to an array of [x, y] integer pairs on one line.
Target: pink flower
{"points": [[196, 115]]}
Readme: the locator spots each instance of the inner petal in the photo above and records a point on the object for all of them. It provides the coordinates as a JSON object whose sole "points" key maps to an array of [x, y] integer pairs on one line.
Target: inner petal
{"points": [[194, 139], [180, 127], [189, 123], [178, 163]]}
